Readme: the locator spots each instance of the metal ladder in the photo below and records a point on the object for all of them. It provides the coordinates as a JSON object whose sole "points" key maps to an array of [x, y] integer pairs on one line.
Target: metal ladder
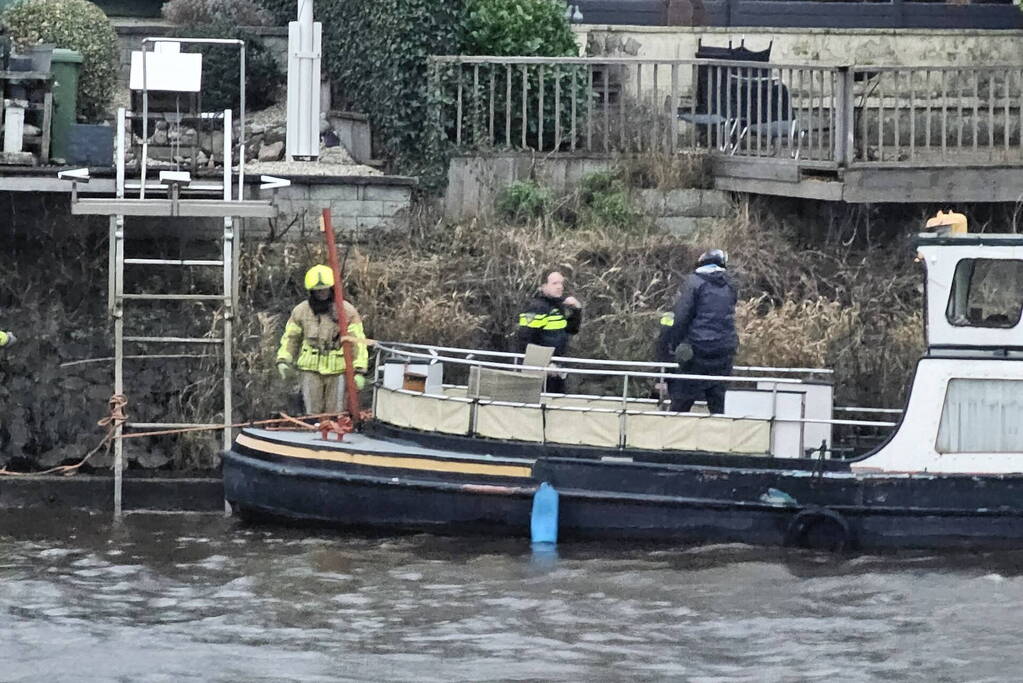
{"points": [[122, 320], [118, 298]]}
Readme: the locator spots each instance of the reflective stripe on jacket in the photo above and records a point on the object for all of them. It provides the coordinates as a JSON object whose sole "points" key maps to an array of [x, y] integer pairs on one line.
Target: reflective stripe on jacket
{"points": [[665, 354], [315, 340], [548, 322]]}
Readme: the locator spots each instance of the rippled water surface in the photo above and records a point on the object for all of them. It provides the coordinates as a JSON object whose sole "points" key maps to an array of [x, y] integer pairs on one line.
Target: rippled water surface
{"points": [[169, 598]]}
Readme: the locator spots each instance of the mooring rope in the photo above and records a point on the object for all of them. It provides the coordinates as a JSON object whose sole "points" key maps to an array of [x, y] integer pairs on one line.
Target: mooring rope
{"points": [[117, 404], [338, 423]]}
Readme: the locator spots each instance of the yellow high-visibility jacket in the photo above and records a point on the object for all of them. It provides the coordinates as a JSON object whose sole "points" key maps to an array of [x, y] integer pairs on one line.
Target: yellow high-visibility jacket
{"points": [[315, 340], [4, 338]]}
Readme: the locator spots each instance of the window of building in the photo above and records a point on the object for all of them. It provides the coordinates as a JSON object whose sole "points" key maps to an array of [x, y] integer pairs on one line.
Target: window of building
{"points": [[982, 416], [986, 293]]}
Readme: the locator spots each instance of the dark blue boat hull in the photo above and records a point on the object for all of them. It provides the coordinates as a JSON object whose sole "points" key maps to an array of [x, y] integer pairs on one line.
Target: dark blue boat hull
{"points": [[615, 500]]}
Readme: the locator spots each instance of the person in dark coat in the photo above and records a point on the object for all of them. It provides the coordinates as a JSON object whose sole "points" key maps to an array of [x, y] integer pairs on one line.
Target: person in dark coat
{"points": [[550, 319], [702, 337]]}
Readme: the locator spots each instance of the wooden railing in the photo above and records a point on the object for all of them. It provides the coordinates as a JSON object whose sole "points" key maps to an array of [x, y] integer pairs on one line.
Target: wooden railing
{"points": [[807, 115]]}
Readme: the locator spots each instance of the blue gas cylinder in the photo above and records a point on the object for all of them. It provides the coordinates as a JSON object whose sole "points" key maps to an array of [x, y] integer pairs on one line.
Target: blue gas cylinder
{"points": [[544, 522]]}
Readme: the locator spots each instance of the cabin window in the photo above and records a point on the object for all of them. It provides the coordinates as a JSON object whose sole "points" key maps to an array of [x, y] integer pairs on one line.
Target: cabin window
{"points": [[982, 416], [986, 293]]}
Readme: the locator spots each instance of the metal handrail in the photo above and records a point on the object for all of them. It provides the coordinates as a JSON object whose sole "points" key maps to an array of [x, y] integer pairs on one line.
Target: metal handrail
{"points": [[596, 361], [897, 115], [381, 346]]}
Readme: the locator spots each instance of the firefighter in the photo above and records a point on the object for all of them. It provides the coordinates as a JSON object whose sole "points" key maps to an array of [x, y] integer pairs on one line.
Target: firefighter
{"points": [[550, 319], [311, 344], [7, 338]]}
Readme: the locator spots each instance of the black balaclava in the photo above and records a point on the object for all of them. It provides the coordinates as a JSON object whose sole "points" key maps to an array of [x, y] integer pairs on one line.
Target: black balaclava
{"points": [[321, 306]]}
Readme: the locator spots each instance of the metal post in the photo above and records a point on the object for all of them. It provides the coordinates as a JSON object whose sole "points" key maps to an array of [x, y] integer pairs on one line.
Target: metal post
{"points": [[844, 116], [117, 223], [241, 125], [228, 333], [145, 124], [228, 134], [119, 152]]}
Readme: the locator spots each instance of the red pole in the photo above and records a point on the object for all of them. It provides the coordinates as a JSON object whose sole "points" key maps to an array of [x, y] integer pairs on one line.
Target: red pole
{"points": [[351, 393]]}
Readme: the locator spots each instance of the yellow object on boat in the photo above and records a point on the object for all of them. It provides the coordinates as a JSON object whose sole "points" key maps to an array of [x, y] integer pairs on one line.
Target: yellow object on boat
{"points": [[950, 223]]}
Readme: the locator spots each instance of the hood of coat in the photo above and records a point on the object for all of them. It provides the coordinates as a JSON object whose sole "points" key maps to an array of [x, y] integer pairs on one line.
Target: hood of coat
{"points": [[713, 273]]}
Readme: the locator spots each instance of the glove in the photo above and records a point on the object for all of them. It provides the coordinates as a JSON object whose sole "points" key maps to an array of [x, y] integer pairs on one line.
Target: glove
{"points": [[7, 338], [683, 353], [360, 381], [285, 371]]}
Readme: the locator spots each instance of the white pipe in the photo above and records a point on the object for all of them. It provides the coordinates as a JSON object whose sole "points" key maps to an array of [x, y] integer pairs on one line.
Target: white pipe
{"points": [[228, 131]]}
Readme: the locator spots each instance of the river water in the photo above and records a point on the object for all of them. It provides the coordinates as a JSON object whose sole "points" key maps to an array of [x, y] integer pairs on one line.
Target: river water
{"points": [[183, 598]]}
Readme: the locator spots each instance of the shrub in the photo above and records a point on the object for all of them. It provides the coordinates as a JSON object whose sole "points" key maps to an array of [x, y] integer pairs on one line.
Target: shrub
{"points": [[604, 199], [522, 200], [263, 76], [536, 28], [75, 25], [200, 12], [376, 51]]}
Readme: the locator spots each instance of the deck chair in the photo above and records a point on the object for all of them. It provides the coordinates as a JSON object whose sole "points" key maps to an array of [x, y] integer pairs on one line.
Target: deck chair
{"points": [[765, 111], [711, 111], [517, 386], [537, 356]]}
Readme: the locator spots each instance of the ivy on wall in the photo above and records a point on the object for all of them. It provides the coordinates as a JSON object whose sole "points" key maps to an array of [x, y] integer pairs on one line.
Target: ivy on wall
{"points": [[376, 51]]}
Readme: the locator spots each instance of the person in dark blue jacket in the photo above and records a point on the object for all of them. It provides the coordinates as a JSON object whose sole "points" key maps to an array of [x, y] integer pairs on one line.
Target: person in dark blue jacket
{"points": [[702, 337]]}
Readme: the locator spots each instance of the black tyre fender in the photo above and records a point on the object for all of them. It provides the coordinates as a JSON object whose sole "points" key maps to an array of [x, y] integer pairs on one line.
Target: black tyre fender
{"points": [[813, 524]]}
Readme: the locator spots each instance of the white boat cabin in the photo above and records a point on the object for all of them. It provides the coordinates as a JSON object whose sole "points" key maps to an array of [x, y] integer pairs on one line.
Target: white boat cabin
{"points": [[965, 408]]}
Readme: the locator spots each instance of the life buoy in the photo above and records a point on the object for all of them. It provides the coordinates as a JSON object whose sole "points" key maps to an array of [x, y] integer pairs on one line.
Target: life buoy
{"points": [[819, 528]]}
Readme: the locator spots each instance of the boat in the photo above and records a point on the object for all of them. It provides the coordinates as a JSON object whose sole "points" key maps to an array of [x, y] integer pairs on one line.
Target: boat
{"points": [[461, 441]]}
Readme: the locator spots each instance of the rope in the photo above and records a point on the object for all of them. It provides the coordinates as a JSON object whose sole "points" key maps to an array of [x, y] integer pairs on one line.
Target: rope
{"points": [[328, 423], [112, 421]]}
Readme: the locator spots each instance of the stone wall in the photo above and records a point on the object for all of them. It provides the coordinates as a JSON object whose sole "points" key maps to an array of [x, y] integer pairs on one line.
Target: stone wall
{"points": [[899, 47], [357, 203], [475, 181]]}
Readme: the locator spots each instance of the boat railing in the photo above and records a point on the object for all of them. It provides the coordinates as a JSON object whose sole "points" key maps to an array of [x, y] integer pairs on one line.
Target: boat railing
{"points": [[568, 361], [767, 415]]}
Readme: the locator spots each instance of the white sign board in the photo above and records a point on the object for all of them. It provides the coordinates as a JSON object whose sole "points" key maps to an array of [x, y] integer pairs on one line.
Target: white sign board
{"points": [[167, 71]]}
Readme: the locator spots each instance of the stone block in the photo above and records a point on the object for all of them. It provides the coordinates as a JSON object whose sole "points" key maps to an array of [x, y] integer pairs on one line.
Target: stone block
{"points": [[387, 193], [271, 152], [338, 192], [714, 203], [391, 208], [355, 208], [293, 191], [684, 202], [369, 222], [650, 202]]}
